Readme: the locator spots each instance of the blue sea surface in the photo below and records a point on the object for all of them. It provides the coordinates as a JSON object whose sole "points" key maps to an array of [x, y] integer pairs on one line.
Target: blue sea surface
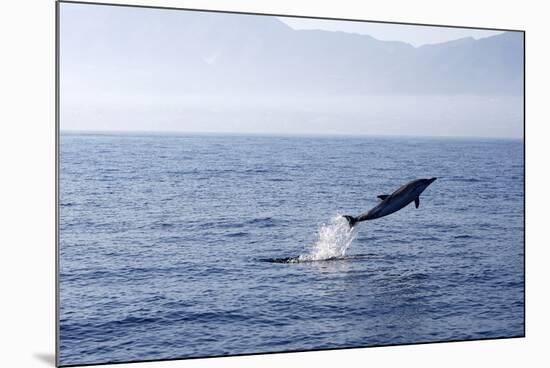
{"points": [[173, 246]]}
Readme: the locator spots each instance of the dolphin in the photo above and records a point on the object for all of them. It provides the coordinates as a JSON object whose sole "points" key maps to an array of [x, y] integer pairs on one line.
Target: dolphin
{"points": [[394, 202]]}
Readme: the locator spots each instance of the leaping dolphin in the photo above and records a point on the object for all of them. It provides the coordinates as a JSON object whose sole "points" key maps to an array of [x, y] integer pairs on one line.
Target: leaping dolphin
{"points": [[394, 202]]}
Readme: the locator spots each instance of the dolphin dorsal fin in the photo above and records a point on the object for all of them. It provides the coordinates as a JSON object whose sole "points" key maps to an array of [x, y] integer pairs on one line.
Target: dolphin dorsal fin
{"points": [[383, 196], [417, 202]]}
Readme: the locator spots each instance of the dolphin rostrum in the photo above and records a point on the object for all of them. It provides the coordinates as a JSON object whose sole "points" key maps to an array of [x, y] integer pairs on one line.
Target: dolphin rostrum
{"points": [[394, 202]]}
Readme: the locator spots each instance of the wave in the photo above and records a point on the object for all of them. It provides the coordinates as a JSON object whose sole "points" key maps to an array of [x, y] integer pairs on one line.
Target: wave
{"points": [[262, 222], [299, 259], [237, 234], [465, 179]]}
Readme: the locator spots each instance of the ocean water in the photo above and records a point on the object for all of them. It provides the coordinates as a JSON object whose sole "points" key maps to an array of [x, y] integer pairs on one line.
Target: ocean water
{"points": [[177, 246]]}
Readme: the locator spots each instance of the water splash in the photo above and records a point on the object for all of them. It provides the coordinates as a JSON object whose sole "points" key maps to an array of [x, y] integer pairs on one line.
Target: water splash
{"points": [[333, 240]]}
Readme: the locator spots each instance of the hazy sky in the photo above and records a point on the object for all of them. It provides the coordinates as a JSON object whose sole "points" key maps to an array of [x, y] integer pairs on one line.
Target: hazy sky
{"points": [[135, 69], [414, 35]]}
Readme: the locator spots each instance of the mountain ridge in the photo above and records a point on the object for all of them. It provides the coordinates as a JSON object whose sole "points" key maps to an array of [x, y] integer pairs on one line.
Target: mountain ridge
{"points": [[197, 52]]}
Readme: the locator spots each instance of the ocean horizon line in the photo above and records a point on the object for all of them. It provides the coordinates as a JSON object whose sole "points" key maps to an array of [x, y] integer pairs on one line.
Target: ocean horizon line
{"points": [[278, 135]]}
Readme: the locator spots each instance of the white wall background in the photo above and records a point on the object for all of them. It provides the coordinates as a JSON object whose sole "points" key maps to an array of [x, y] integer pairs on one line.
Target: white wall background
{"points": [[27, 182]]}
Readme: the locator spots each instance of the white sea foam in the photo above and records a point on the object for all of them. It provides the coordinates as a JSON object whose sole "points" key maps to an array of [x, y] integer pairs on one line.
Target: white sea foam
{"points": [[333, 240]]}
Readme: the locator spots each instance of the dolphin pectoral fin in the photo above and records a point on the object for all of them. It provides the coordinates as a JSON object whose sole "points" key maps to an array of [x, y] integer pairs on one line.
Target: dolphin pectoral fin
{"points": [[417, 202], [383, 196]]}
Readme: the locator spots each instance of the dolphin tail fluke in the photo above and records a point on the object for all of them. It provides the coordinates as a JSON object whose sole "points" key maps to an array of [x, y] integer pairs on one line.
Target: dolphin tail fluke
{"points": [[351, 220]]}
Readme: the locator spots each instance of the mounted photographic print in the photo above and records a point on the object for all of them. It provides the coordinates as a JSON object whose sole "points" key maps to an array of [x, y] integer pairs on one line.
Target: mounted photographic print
{"points": [[234, 183]]}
